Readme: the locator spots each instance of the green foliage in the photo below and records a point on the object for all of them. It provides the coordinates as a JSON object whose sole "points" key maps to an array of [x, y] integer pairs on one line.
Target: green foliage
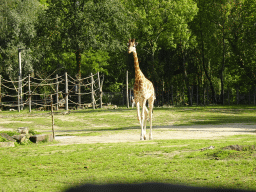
{"points": [[17, 30], [94, 61], [182, 43], [2, 139]]}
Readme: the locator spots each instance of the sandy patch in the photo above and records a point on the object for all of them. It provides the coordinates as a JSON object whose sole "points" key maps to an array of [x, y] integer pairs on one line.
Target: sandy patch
{"points": [[168, 132]]}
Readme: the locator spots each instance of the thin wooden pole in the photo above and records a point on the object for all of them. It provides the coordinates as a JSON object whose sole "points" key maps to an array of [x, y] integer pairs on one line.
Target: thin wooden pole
{"points": [[92, 92], [127, 93], [45, 102], [19, 96], [66, 90], [29, 92], [57, 92], [79, 92], [53, 133], [100, 90]]}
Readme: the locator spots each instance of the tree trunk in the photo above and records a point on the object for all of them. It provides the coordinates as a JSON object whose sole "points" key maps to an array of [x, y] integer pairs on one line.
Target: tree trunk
{"points": [[186, 77], [206, 72], [222, 68]]}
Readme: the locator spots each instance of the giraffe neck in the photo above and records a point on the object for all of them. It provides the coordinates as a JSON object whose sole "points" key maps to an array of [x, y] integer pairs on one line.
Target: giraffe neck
{"points": [[138, 72]]}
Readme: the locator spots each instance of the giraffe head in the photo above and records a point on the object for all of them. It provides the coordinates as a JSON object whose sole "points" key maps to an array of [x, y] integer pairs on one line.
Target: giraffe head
{"points": [[132, 46]]}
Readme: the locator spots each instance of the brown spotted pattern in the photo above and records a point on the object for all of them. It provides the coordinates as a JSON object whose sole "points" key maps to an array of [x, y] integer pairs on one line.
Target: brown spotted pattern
{"points": [[143, 91]]}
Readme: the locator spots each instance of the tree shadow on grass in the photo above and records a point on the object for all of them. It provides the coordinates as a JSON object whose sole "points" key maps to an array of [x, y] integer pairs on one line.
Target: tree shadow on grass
{"points": [[229, 119], [248, 126]]}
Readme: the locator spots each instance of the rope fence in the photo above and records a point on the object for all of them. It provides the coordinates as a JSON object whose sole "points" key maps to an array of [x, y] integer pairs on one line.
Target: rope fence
{"points": [[59, 92]]}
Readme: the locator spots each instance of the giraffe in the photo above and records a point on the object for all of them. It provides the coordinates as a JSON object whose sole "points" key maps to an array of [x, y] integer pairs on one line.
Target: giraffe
{"points": [[143, 91]]}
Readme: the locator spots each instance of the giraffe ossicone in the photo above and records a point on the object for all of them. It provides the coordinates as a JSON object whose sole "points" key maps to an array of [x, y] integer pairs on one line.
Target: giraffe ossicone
{"points": [[143, 92]]}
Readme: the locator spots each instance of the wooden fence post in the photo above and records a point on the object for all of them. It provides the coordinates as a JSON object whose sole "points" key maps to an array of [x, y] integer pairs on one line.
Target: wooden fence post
{"points": [[57, 92], [92, 90], [19, 96], [45, 102], [29, 94], [66, 90], [79, 92], [100, 89], [127, 93], [53, 134], [101, 85]]}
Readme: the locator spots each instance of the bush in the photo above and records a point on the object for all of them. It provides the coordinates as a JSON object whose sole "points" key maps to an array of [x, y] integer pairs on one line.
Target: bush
{"points": [[2, 139]]}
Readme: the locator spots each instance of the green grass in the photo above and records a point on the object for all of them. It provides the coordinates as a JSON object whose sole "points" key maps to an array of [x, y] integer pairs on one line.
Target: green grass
{"points": [[84, 122], [48, 167], [2, 139], [54, 168]]}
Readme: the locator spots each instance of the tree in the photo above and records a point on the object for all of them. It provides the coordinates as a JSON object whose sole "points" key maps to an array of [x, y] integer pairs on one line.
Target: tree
{"points": [[160, 24], [77, 26], [242, 40], [18, 20]]}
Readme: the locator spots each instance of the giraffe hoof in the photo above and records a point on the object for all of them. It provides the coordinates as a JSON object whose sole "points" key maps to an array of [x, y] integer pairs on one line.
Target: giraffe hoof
{"points": [[141, 138]]}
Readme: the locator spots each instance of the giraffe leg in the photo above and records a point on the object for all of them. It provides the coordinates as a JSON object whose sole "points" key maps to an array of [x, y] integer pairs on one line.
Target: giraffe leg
{"points": [[138, 112], [151, 104], [145, 121], [143, 134], [140, 119]]}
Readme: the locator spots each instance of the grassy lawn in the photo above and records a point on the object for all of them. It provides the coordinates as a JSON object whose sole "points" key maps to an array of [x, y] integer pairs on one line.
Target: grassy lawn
{"points": [[92, 122], [48, 167], [53, 168]]}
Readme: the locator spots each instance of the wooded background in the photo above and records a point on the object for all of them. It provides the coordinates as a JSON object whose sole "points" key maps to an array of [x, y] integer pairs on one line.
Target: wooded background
{"points": [[182, 43]]}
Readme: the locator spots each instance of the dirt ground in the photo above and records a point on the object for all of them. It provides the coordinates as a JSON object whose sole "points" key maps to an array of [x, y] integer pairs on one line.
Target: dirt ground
{"points": [[161, 132]]}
